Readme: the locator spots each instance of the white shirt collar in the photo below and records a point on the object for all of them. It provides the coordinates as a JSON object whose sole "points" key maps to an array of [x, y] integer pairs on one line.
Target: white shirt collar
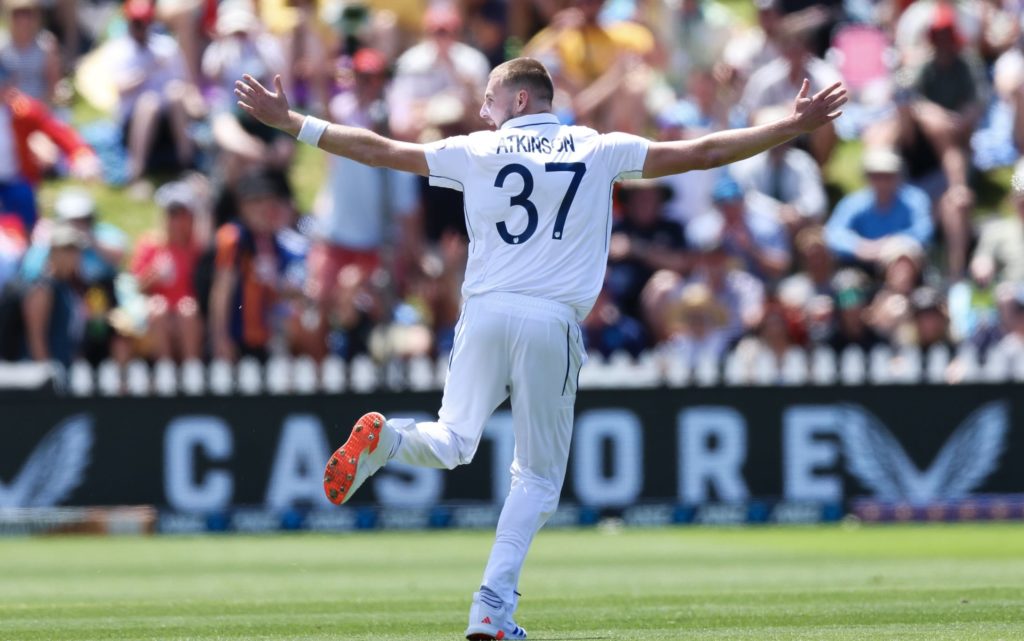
{"points": [[530, 120]]}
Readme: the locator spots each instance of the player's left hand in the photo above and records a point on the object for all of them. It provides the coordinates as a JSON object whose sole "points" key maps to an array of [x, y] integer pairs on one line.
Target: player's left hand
{"points": [[270, 108], [811, 112]]}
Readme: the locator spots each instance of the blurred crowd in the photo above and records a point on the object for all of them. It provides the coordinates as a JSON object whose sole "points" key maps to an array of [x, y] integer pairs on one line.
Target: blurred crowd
{"points": [[758, 257]]}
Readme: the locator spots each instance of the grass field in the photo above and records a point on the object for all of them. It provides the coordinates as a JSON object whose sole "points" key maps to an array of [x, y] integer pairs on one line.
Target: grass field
{"points": [[882, 583]]}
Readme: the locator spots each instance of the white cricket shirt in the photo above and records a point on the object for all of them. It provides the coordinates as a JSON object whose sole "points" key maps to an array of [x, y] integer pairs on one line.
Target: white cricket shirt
{"points": [[538, 200]]}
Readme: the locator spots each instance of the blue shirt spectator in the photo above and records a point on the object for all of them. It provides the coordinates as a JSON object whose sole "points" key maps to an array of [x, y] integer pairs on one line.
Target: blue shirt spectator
{"points": [[747, 233], [885, 208]]}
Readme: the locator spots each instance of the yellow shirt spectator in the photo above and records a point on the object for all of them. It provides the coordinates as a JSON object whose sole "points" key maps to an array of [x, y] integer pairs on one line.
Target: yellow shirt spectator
{"points": [[586, 52]]}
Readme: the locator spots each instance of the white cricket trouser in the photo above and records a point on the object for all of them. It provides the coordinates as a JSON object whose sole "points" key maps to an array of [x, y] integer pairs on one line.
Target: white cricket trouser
{"points": [[530, 349]]}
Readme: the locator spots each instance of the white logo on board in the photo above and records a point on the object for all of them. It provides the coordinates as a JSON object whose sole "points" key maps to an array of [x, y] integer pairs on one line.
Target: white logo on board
{"points": [[54, 469], [878, 461]]}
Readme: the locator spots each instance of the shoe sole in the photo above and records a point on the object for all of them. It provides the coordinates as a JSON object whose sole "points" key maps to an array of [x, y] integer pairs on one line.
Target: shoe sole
{"points": [[479, 634], [341, 469]]}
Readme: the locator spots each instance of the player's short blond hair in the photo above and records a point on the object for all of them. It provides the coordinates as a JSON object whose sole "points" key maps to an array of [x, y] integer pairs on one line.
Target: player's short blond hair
{"points": [[526, 73]]}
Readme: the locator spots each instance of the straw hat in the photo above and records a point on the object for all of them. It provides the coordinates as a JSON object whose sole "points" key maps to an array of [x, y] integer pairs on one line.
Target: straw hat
{"points": [[694, 299]]}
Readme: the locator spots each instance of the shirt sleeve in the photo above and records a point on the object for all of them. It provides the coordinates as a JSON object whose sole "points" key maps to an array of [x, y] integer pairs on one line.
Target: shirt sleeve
{"points": [[922, 227], [811, 200], [226, 247], [404, 193], [144, 253], [989, 240], [448, 161], [839, 234], [625, 153]]}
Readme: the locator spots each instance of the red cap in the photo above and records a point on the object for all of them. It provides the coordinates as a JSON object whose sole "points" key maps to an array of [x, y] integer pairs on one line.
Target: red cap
{"points": [[139, 10], [369, 61], [945, 18]]}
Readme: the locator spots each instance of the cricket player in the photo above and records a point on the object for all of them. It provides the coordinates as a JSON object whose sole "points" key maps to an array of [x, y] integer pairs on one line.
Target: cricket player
{"points": [[538, 200]]}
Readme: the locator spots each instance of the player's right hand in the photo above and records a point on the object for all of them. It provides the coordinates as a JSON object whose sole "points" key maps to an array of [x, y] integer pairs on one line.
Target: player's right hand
{"points": [[270, 108], [811, 112]]}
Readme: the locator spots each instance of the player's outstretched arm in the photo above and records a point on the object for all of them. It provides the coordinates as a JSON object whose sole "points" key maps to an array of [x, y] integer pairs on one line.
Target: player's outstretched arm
{"points": [[724, 147], [271, 108]]}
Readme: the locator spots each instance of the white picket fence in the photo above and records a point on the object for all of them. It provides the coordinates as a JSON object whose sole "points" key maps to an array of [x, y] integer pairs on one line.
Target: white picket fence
{"points": [[302, 375]]}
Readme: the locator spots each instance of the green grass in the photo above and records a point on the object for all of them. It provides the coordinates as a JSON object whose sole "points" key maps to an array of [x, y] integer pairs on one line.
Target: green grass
{"points": [[937, 583]]}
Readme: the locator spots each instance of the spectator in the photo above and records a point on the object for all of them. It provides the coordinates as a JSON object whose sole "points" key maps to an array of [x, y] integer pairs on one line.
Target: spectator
{"points": [[886, 207], [13, 242], [776, 334], [246, 281], [356, 311], [358, 206], [851, 297], [715, 112], [308, 44], [699, 325], [1012, 343], [155, 97], [163, 264], [700, 34], [933, 128], [51, 306], [101, 256], [901, 260], [819, 317], [19, 170], [738, 291], [600, 68], [643, 241], [991, 329], [750, 49], [999, 255], [691, 190], [786, 179], [814, 260], [242, 47], [429, 310], [778, 81], [31, 54], [608, 330], [912, 35], [930, 320], [439, 64], [753, 236]]}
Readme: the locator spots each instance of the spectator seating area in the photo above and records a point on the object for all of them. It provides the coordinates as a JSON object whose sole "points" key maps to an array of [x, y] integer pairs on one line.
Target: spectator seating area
{"points": [[886, 248]]}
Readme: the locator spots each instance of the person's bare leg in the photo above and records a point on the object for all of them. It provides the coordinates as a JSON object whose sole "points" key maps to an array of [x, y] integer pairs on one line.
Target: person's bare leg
{"points": [[190, 330], [67, 15], [160, 330], [941, 134], [184, 24], [178, 117], [954, 211], [822, 142], [142, 132]]}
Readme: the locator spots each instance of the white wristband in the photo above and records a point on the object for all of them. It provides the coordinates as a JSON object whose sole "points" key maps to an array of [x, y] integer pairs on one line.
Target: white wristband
{"points": [[312, 129]]}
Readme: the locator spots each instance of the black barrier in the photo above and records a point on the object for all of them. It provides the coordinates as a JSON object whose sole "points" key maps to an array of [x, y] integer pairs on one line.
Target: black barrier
{"points": [[727, 447]]}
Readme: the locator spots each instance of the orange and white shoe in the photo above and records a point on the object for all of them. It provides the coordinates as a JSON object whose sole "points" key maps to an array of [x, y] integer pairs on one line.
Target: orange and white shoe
{"points": [[367, 449], [487, 623]]}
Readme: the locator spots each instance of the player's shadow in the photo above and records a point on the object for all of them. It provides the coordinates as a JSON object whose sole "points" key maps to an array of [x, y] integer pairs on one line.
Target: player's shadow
{"points": [[568, 638]]}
